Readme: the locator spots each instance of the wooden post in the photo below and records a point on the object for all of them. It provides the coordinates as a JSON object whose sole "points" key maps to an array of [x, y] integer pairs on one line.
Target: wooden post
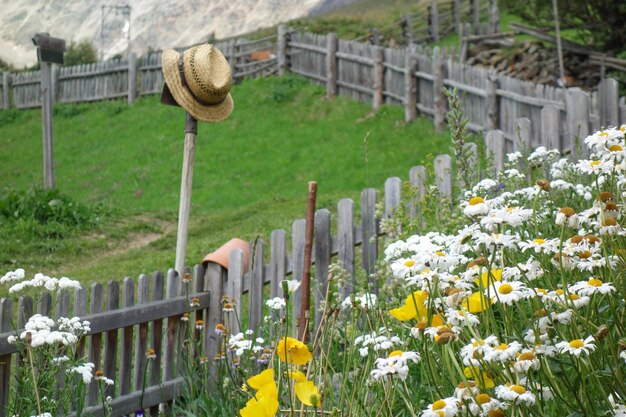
{"points": [[191, 129], [331, 65], [305, 310], [298, 232], [495, 145], [577, 121], [440, 99], [608, 97], [408, 29], [132, 77], [551, 127], [493, 107], [46, 115], [379, 77], [375, 36], [622, 110], [54, 82], [434, 22], [476, 14], [494, 17], [456, 5], [410, 85], [6, 89], [281, 49]]}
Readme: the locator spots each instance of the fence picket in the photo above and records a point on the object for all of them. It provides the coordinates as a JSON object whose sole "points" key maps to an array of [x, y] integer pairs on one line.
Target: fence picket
{"points": [[523, 135], [494, 140], [110, 343], [369, 227], [551, 127], [6, 318], [255, 296], [278, 266], [345, 242], [214, 279], [608, 106], [141, 338], [417, 177], [297, 265], [577, 121], [126, 353], [96, 304], [323, 245], [235, 288], [158, 293], [393, 191], [443, 175]]}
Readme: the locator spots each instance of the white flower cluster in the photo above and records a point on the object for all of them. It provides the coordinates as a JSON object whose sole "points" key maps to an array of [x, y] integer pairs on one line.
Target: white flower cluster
{"points": [[45, 282], [239, 344], [276, 303], [39, 330], [366, 300], [376, 341], [11, 276], [397, 364], [85, 371]]}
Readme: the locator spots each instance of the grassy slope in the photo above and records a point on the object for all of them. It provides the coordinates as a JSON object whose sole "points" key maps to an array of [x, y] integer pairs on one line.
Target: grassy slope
{"points": [[250, 174]]}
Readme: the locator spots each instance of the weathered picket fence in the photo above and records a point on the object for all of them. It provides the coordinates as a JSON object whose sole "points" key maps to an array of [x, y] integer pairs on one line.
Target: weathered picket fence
{"points": [[129, 317], [125, 78], [414, 77]]}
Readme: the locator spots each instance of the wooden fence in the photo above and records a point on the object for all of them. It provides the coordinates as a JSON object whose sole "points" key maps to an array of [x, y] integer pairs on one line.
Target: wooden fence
{"points": [[125, 78], [129, 317], [415, 76]]}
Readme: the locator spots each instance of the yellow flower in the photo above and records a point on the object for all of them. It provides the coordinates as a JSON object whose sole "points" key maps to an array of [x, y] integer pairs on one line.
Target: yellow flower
{"points": [[292, 350], [265, 401], [265, 377], [307, 393], [486, 278], [414, 307], [296, 376], [476, 302], [481, 377]]}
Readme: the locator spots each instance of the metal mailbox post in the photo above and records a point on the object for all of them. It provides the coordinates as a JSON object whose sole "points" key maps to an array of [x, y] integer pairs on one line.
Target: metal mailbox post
{"points": [[49, 51]]}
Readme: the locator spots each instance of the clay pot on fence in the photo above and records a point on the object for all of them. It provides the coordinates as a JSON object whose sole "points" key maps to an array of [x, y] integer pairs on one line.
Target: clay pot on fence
{"points": [[220, 256]]}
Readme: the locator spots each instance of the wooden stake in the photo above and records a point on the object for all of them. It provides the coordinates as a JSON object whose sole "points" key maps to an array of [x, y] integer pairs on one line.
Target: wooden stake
{"points": [[191, 129], [46, 116], [306, 275]]}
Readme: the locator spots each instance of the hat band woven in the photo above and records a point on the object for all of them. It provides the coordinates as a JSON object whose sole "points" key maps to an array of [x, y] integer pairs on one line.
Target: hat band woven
{"points": [[183, 81]]}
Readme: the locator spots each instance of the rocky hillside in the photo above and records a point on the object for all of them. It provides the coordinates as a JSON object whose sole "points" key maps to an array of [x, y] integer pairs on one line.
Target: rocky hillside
{"points": [[152, 24]]}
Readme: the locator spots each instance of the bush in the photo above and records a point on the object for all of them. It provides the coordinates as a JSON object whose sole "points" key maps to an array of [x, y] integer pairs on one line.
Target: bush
{"points": [[83, 52]]}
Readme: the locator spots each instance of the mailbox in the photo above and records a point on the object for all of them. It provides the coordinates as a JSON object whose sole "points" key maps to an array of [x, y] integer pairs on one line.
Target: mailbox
{"points": [[49, 49]]}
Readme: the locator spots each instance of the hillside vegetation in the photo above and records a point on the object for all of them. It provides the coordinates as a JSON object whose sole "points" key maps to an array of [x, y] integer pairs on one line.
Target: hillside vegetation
{"points": [[250, 176]]}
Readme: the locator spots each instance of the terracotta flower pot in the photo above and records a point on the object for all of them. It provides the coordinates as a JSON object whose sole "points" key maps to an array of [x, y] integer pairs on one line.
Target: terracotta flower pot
{"points": [[220, 256]]}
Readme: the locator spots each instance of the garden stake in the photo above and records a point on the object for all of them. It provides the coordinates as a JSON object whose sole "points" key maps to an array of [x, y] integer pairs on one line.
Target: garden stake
{"points": [[191, 129], [306, 273]]}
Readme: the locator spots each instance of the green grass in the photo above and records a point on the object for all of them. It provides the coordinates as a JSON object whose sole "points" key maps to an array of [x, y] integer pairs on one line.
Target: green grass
{"points": [[250, 172]]}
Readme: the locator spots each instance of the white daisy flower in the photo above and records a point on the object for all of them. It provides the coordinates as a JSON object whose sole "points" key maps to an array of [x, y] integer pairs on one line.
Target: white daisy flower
{"points": [[526, 361], [395, 364], [446, 407], [506, 292], [592, 286], [476, 206], [503, 352], [516, 394], [577, 346]]}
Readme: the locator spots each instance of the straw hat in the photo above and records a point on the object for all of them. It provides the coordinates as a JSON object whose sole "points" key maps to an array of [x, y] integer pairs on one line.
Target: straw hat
{"points": [[199, 79]]}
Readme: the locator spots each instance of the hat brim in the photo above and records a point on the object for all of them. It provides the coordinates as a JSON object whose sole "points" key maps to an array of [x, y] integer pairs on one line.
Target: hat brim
{"points": [[206, 113]]}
